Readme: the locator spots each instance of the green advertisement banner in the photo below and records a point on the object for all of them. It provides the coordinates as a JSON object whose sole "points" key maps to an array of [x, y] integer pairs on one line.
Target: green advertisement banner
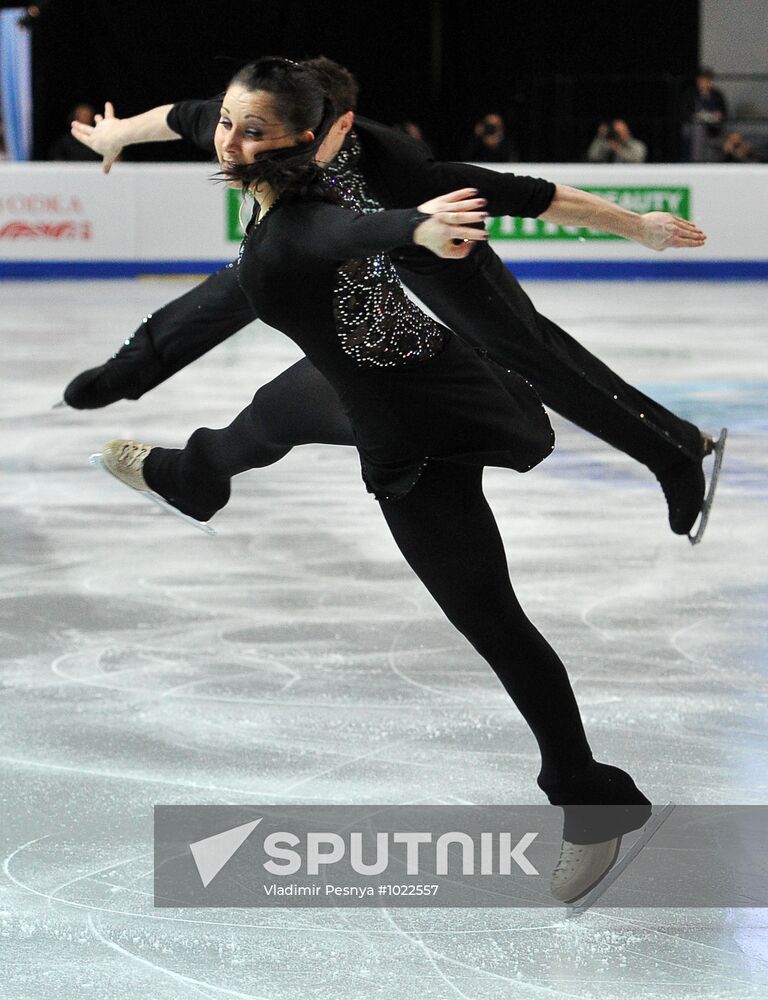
{"points": [[638, 199], [234, 206]]}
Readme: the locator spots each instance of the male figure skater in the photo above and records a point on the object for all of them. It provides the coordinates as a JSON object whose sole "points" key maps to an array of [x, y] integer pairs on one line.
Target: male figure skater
{"points": [[476, 296]]}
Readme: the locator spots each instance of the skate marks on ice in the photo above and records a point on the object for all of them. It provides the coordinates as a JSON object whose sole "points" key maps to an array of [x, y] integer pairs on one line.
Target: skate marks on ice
{"points": [[470, 953], [295, 659]]}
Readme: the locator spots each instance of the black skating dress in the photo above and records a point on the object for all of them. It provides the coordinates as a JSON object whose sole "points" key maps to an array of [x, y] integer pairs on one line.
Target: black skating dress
{"points": [[413, 391]]}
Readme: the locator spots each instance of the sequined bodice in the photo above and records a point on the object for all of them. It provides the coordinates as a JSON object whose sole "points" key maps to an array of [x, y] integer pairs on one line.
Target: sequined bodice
{"points": [[343, 175], [378, 325]]}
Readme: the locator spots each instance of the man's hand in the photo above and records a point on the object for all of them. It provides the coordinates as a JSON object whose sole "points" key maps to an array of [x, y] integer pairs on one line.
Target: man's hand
{"points": [[661, 230], [110, 135], [104, 138], [451, 218], [655, 230]]}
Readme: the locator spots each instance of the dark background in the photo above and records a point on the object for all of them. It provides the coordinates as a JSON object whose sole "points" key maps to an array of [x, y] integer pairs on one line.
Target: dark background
{"points": [[553, 69]]}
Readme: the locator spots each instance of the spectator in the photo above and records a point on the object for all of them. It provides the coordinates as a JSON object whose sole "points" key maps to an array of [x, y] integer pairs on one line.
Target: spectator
{"points": [[490, 143], [66, 146], [704, 113], [414, 131], [616, 144], [736, 149]]}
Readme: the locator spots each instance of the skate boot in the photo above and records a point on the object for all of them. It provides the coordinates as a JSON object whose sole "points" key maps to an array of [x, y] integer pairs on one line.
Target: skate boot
{"points": [[585, 871], [125, 460], [580, 867], [685, 488], [600, 804]]}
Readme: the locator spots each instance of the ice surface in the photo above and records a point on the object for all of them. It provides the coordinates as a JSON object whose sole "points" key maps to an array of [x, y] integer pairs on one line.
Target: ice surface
{"points": [[294, 658]]}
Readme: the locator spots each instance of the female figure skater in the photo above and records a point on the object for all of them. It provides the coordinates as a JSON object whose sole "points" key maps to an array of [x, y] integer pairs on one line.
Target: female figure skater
{"points": [[428, 414]]}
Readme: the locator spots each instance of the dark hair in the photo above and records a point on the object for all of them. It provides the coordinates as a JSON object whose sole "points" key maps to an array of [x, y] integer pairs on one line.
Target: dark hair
{"points": [[301, 104], [706, 72], [337, 82]]}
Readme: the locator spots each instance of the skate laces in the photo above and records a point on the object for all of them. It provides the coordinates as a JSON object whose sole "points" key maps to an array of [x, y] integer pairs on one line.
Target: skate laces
{"points": [[570, 856], [132, 454]]}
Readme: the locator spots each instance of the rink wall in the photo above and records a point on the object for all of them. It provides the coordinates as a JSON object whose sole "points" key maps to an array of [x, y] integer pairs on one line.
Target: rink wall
{"points": [[70, 220]]}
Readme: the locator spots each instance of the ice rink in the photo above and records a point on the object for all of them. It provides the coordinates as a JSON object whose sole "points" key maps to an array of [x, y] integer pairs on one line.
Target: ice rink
{"points": [[294, 658]]}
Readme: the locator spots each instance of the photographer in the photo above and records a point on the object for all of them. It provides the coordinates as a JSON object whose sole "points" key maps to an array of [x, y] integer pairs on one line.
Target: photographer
{"points": [[614, 143], [736, 149], [704, 114], [490, 143]]}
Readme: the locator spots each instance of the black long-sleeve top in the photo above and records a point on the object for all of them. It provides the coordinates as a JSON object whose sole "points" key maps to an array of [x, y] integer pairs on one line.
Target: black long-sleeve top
{"points": [[412, 391]]}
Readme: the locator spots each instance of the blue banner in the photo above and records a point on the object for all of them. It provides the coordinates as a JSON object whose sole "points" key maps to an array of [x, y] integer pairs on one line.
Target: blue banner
{"points": [[16, 84]]}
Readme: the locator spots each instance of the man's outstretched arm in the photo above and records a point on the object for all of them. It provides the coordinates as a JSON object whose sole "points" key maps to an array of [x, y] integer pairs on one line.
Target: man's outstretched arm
{"points": [[655, 230], [408, 176], [110, 135]]}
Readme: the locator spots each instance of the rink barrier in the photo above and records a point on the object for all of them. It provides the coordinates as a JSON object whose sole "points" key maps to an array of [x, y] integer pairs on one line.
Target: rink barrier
{"points": [[526, 270], [32, 270], [71, 221]]}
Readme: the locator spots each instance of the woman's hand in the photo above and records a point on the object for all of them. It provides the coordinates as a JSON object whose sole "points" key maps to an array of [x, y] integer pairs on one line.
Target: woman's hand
{"points": [[660, 230], [105, 137], [449, 232]]}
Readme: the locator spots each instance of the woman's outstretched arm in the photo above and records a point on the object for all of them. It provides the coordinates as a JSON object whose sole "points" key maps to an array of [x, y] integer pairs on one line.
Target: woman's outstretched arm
{"points": [[448, 226]]}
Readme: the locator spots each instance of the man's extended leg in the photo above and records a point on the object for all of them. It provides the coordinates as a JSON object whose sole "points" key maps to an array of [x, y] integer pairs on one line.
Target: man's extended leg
{"points": [[483, 302], [167, 341], [489, 309]]}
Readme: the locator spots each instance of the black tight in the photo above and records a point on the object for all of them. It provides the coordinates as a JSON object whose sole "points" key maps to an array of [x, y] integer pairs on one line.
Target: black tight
{"points": [[449, 537], [298, 407]]}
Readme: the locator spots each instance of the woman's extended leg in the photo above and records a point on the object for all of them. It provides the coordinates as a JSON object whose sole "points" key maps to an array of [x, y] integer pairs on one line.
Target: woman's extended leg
{"points": [[298, 407], [448, 534]]}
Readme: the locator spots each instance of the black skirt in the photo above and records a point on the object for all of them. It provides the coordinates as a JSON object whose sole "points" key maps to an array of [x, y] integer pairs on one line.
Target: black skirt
{"points": [[459, 406]]}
